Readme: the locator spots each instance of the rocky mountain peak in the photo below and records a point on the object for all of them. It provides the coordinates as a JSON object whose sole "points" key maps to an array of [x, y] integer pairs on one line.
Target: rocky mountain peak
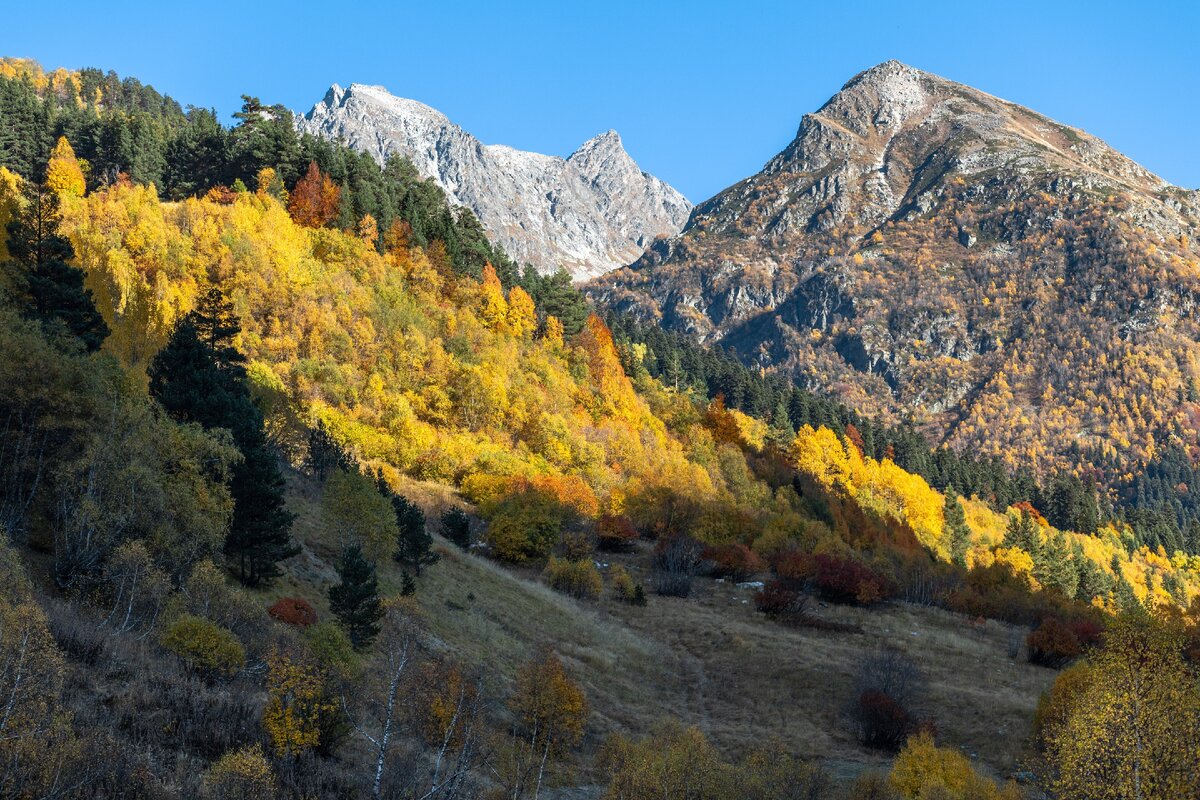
{"points": [[941, 254], [589, 213]]}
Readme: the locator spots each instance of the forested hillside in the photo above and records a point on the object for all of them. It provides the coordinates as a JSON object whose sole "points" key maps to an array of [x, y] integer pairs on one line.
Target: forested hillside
{"points": [[276, 432]]}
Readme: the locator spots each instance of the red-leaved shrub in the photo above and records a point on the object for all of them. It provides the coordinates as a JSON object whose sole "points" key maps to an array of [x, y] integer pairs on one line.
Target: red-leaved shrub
{"points": [[615, 534], [734, 561], [294, 611], [1056, 644], [775, 598], [882, 721], [841, 580]]}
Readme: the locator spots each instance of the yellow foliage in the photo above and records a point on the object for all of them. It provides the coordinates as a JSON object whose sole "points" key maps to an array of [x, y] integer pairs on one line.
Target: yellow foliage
{"points": [[924, 771], [64, 172], [296, 705]]}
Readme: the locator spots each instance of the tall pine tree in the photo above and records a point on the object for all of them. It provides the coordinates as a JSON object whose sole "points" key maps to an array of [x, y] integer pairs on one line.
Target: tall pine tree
{"points": [[958, 535], [199, 377], [355, 600], [53, 290]]}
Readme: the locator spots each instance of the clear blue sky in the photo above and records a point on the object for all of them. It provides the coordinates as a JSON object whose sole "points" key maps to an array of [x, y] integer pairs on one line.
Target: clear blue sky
{"points": [[702, 93]]}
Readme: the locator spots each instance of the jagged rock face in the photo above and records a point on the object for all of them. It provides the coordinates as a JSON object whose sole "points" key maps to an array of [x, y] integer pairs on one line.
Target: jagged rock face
{"points": [[925, 250], [589, 213]]}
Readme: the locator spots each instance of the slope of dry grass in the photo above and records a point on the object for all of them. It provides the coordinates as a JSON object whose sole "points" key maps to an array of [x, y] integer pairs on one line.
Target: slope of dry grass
{"points": [[710, 660]]}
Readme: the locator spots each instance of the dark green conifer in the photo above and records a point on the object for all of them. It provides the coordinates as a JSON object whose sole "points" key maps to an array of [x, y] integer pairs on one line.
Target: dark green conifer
{"points": [[53, 290], [355, 600]]}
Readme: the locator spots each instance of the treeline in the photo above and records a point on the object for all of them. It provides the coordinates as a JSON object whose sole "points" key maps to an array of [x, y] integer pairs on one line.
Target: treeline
{"points": [[121, 127]]}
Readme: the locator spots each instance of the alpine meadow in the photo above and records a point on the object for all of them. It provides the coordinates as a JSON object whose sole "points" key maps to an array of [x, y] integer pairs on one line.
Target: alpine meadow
{"points": [[343, 455]]}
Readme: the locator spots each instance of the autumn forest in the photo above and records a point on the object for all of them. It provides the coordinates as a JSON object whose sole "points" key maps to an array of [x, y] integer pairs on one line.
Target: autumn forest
{"points": [[309, 490]]}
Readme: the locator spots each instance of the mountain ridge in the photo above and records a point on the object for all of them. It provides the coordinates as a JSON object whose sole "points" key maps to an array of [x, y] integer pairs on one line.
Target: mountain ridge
{"points": [[590, 212], [905, 252]]}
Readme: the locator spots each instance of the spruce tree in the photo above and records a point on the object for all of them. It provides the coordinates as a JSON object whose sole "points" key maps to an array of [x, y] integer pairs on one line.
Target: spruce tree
{"points": [[958, 535], [53, 289], [199, 377], [355, 601], [414, 545], [1022, 533], [456, 526]]}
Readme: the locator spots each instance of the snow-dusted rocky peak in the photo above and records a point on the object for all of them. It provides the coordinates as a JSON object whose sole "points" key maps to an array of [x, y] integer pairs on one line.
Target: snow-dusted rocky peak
{"points": [[589, 213]]}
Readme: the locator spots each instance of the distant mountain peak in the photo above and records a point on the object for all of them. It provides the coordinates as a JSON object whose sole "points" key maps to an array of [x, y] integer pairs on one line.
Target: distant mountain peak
{"points": [[589, 213], [932, 251]]}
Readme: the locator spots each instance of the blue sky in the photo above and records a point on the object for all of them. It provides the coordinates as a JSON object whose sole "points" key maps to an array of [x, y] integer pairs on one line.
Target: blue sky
{"points": [[703, 93]]}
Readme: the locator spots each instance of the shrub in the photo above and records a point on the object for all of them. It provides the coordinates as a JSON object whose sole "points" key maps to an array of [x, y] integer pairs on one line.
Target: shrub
{"points": [[525, 525], [840, 580], [734, 561], [624, 588], [456, 527], [882, 721], [887, 687], [615, 534], [577, 546], [1056, 703], [332, 649], [240, 774], [577, 578], [1053, 644], [924, 770], [777, 599], [204, 647], [294, 611], [676, 560]]}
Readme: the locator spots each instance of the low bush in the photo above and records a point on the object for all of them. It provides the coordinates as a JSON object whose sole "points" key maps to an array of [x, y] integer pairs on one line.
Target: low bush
{"points": [[204, 647], [577, 578], [1056, 644], [675, 564], [887, 689], [882, 722], [837, 579], [615, 534], [736, 561], [624, 588], [293, 611]]}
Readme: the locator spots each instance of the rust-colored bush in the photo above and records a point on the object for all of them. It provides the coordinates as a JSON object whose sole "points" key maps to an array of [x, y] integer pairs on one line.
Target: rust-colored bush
{"points": [[615, 534], [882, 721], [734, 561], [1053, 644], [842, 580], [294, 611], [776, 599]]}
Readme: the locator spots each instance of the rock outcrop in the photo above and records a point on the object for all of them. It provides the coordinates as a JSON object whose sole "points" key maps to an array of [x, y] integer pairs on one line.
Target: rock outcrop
{"points": [[589, 213]]}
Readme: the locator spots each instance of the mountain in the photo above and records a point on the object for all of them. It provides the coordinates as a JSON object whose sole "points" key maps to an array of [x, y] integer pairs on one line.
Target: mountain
{"points": [[928, 251], [591, 212]]}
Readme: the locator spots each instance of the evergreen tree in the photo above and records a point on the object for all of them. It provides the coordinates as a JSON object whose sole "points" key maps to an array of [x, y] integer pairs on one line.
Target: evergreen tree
{"points": [[414, 545], [958, 535], [408, 586], [1055, 567], [325, 453], [355, 600], [199, 377], [53, 289], [1022, 533], [456, 526]]}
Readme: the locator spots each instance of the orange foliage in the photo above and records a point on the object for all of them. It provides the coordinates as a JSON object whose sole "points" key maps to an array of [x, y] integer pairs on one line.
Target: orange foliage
{"points": [[314, 202]]}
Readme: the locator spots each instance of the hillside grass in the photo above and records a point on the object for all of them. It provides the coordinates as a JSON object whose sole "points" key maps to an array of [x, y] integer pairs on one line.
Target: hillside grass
{"points": [[710, 660]]}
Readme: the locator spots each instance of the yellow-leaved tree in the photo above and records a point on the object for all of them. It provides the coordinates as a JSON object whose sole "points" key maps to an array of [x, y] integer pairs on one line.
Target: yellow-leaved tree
{"points": [[1133, 731], [64, 173]]}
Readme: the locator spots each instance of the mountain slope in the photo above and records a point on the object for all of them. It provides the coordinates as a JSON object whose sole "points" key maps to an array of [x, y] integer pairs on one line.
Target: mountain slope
{"points": [[924, 249], [591, 212]]}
